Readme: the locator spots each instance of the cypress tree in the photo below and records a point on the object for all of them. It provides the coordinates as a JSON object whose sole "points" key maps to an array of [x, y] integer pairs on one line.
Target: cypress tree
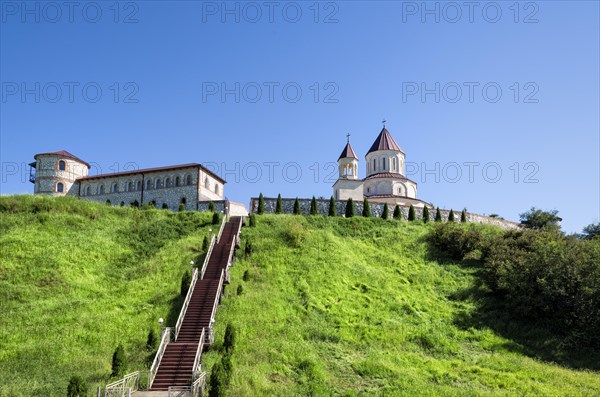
{"points": [[366, 209], [240, 289], [463, 216], [229, 339], [451, 216], [119, 363], [331, 206], [349, 208], [261, 205], [227, 367], [217, 381], [216, 218], [397, 212], [438, 215], [152, 340], [425, 214], [205, 244], [296, 207], [76, 387], [211, 206], [411, 213], [385, 212], [252, 220], [278, 209], [186, 280], [313, 206]]}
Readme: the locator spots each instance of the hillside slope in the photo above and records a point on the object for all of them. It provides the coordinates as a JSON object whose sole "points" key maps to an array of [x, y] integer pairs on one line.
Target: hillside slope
{"points": [[362, 307], [77, 279]]}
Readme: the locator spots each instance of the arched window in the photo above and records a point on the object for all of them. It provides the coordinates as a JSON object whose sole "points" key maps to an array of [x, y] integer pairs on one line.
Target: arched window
{"points": [[188, 180], [177, 181], [383, 163], [138, 185], [101, 189], [216, 188], [168, 182], [60, 187], [374, 165], [88, 191], [114, 188], [183, 200], [206, 184], [149, 184], [157, 184], [395, 164], [130, 186], [62, 165]]}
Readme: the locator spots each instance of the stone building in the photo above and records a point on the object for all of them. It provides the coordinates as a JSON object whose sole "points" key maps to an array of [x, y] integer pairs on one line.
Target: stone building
{"points": [[385, 181], [61, 173]]}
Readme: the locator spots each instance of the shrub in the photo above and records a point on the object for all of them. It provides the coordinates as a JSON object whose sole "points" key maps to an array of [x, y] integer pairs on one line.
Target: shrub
{"points": [[107, 202], [463, 216], [240, 289], [591, 231], [186, 281], [229, 339], [252, 220], [538, 219], [246, 275], [451, 215], [425, 214], [278, 209], [227, 367], [217, 381], [397, 212], [122, 204], [211, 206], [216, 218], [119, 362], [181, 207], [411, 213], [76, 387], [261, 205], [456, 241], [152, 340], [349, 208], [331, 207], [205, 244], [135, 204], [248, 249], [385, 213], [165, 206], [296, 207], [313, 206], [438, 215], [366, 212]]}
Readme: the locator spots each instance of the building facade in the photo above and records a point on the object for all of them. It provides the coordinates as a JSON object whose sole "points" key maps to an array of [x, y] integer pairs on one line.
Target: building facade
{"points": [[61, 173], [385, 181]]}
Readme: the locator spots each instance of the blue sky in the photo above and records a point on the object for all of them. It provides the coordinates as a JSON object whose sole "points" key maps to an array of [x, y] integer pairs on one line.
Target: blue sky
{"points": [[496, 106]]}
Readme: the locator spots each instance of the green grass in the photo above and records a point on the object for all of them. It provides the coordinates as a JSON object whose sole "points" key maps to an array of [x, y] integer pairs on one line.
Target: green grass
{"points": [[363, 307], [78, 278]]}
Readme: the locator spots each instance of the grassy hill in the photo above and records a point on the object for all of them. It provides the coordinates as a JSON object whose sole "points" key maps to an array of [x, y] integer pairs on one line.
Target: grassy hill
{"points": [[364, 307], [78, 278]]}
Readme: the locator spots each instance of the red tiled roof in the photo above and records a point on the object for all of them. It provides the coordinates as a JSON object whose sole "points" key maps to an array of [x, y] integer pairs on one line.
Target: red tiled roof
{"points": [[388, 175], [63, 153], [155, 169], [384, 141], [348, 153]]}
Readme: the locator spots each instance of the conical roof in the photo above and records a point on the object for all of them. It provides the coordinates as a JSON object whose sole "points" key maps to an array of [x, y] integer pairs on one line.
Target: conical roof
{"points": [[384, 141], [348, 152]]}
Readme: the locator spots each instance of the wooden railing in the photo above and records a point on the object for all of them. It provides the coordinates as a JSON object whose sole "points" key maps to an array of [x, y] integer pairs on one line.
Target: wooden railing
{"points": [[198, 359], [123, 387], [207, 257], [164, 341]]}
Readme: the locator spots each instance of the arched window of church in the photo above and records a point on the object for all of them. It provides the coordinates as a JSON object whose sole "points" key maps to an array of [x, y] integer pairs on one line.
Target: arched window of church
{"points": [[395, 164], [149, 184], [157, 184], [130, 187], [138, 185], [168, 182], [115, 188], [62, 165], [206, 184], [88, 191], [177, 181], [183, 200], [188, 180], [374, 165], [383, 164], [60, 187], [101, 189], [216, 188]]}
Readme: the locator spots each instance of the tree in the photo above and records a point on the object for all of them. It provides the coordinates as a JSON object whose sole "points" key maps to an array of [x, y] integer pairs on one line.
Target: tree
{"points": [[252, 220], [385, 213], [119, 361], [438, 215], [205, 244], [152, 340], [211, 206], [229, 339], [463, 216], [411, 213], [313, 206], [248, 249], [261, 205], [217, 381], [227, 367], [240, 289], [296, 207], [331, 206], [397, 212], [538, 219], [216, 218], [451, 215], [76, 387], [366, 209], [425, 214], [181, 207], [591, 231], [278, 209], [349, 208], [186, 281]]}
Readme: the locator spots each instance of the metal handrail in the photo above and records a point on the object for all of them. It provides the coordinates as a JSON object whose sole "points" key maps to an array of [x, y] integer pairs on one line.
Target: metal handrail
{"points": [[129, 383], [197, 385], [186, 302], [198, 359], [231, 252], [164, 341], [221, 229], [207, 257], [214, 310]]}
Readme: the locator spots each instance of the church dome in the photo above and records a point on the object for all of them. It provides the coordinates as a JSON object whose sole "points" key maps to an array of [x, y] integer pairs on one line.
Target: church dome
{"points": [[385, 141], [348, 153]]}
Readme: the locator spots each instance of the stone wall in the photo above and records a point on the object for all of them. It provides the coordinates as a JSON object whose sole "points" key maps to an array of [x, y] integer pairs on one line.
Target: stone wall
{"points": [[47, 174], [287, 206], [219, 205]]}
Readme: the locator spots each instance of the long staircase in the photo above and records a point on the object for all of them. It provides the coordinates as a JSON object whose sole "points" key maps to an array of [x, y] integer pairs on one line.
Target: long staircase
{"points": [[180, 357]]}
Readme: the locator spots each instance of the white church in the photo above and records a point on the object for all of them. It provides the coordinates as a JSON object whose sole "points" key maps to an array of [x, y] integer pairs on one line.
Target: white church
{"points": [[385, 181]]}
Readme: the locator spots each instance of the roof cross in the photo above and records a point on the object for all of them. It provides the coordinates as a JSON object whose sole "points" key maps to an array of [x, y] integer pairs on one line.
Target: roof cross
{"points": [[348, 137], [384, 121]]}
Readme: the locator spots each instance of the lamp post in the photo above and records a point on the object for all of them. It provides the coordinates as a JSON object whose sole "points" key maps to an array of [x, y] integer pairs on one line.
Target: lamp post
{"points": [[160, 323]]}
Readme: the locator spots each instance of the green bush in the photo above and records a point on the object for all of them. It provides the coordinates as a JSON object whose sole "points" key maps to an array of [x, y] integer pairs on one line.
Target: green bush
{"points": [[278, 205], [229, 339], [332, 206], [165, 206], [216, 218], [411, 213], [217, 381], [252, 220], [205, 244], [261, 205], [119, 362], [463, 216], [122, 204], [385, 213], [186, 281], [538, 219], [248, 249], [349, 208], [246, 275], [451, 216], [313, 206], [107, 202], [438, 215], [77, 387], [152, 340], [227, 367], [366, 212], [240, 289], [425, 214], [455, 240], [135, 204], [296, 207], [397, 212], [211, 206], [181, 207]]}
